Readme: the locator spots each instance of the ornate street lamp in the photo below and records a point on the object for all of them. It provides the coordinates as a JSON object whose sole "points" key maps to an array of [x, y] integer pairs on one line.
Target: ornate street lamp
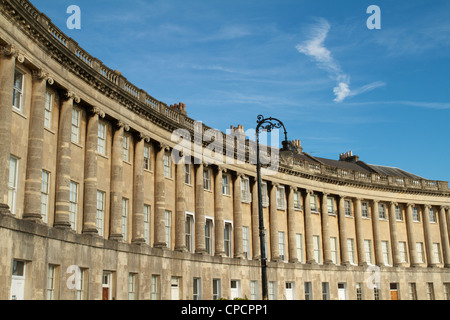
{"points": [[267, 125]]}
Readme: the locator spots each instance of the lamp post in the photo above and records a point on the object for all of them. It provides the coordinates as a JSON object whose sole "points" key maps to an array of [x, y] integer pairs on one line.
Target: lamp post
{"points": [[267, 125]]}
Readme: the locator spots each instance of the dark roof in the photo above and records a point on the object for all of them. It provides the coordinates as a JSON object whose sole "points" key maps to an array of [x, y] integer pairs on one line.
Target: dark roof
{"points": [[360, 166], [356, 166], [395, 172]]}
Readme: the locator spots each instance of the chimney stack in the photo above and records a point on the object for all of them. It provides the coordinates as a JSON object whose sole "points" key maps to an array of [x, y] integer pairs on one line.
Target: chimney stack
{"points": [[297, 145], [348, 157], [181, 107]]}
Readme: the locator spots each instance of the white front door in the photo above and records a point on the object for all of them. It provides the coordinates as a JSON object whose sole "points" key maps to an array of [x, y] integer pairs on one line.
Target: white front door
{"points": [[342, 291], [235, 289], [175, 287], [18, 281], [290, 291]]}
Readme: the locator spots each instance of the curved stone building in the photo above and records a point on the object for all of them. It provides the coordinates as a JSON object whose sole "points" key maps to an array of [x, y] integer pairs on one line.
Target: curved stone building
{"points": [[97, 203]]}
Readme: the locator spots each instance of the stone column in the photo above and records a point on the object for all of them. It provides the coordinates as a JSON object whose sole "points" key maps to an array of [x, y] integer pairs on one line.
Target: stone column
{"points": [[160, 199], [411, 235], [180, 217], [237, 217], [218, 215], [427, 236], [376, 234], [359, 233], [90, 173], [255, 222], [444, 237], [273, 221], [326, 231], [117, 181], [7, 67], [138, 233], [292, 241], [393, 234], [200, 245], [343, 232], [62, 197], [448, 220], [308, 229], [33, 182]]}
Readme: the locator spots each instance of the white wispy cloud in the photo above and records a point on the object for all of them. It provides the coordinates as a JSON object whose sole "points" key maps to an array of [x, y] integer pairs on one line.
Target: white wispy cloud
{"points": [[316, 49]]}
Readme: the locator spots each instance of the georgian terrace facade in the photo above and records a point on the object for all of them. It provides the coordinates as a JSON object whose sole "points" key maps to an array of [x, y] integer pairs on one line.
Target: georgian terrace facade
{"points": [[89, 188]]}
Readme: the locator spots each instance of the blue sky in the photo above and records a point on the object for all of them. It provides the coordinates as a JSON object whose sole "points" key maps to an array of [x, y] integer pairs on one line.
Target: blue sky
{"points": [[336, 85]]}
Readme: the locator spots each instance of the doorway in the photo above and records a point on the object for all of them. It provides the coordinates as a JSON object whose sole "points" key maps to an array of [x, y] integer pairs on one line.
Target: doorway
{"points": [[107, 286], [175, 288], [342, 291], [394, 291], [18, 280]]}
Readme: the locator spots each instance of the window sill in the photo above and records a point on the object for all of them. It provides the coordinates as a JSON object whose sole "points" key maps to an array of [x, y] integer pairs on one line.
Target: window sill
{"points": [[19, 113], [103, 156], [50, 130], [77, 145]]}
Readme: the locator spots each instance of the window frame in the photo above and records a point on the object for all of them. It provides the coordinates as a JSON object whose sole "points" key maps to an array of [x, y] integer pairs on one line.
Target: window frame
{"points": [[125, 215], [126, 142], [313, 203], [45, 195], [20, 91], [48, 109], [147, 157], [228, 238], [101, 138], [189, 231], [73, 206], [209, 235], [281, 198], [147, 215], [226, 185], [13, 186], [76, 125], [245, 190], [167, 159], [207, 186], [100, 217], [168, 227], [282, 246]]}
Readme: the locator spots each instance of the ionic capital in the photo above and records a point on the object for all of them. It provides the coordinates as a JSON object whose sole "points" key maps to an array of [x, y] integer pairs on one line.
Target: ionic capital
{"points": [[164, 147], [309, 191], [240, 175], [393, 203], [8, 50], [99, 112], [123, 125], [221, 169], [146, 138], [39, 74], [71, 95], [12, 52], [412, 205]]}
